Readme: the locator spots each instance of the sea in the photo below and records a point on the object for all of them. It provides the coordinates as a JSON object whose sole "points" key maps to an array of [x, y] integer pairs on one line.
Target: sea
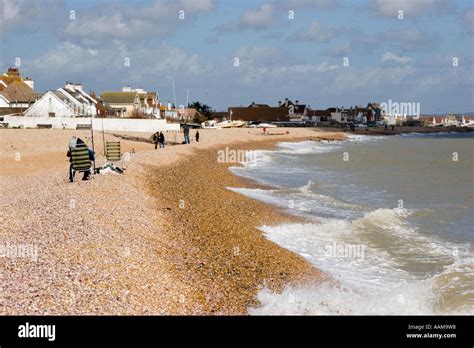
{"points": [[388, 219]]}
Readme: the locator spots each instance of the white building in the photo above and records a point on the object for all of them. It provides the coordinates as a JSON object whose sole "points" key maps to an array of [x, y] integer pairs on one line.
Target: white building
{"points": [[70, 101]]}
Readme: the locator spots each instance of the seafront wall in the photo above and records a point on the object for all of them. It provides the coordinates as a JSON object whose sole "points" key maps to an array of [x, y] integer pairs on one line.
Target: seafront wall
{"points": [[108, 124]]}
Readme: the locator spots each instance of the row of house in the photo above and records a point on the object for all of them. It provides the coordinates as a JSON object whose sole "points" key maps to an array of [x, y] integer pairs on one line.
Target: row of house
{"points": [[294, 112], [18, 97]]}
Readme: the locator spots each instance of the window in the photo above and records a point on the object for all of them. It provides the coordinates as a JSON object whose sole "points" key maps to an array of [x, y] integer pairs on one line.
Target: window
{"points": [[51, 114]]}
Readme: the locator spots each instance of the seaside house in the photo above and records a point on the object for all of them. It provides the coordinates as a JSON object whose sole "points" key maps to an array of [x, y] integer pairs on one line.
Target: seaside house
{"points": [[67, 101], [296, 111], [432, 121], [16, 98], [125, 104], [338, 115], [318, 116], [376, 112], [187, 114], [16, 94], [132, 102], [259, 114], [12, 74]]}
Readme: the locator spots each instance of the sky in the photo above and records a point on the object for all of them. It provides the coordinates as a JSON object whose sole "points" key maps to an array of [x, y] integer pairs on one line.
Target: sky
{"points": [[323, 53]]}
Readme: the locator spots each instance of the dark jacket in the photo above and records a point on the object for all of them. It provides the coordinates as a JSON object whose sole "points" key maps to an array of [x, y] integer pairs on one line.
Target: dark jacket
{"points": [[161, 138]]}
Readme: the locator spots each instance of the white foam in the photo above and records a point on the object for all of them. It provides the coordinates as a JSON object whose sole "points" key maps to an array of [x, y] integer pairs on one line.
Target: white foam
{"points": [[377, 280]]}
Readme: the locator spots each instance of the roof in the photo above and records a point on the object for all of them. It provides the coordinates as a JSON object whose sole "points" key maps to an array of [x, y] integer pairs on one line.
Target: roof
{"points": [[255, 105], [61, 96], [324, 113], [259, 114], [18, 91], [12, 75], [119, 97], [297, 108]]}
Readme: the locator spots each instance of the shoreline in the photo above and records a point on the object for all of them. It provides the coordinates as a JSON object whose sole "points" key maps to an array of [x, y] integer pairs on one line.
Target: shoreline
{"points": [[107, 246], [122, 245], [229, 257]]}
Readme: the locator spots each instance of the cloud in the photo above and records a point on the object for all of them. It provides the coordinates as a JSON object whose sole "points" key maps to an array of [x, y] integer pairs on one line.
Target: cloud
{"points": [[315, 32], [22, 14], [353, 79], [260, 65], [256, 19], [106, 63], [411, 39], [297, 4], [390, 8], [262, 18], [468, 19], [392, 57], [132, 22]]}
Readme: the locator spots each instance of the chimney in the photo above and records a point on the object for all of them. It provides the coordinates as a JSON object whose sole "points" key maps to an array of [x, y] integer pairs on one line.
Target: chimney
{"points": [[69, 85], [13, 72], [296, 102], [286, 102], [279, 103], [78, 86], [30, 83], [126, 89]]}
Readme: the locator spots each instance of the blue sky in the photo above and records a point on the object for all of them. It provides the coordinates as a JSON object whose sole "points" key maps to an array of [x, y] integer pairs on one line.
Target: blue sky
{"points": [[405, 60]]}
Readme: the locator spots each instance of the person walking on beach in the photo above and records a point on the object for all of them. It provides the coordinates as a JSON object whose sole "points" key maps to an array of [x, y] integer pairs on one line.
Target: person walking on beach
{"points": [[385, 126], [197, 136], [161, 140], [186, 134], [156, 138]]}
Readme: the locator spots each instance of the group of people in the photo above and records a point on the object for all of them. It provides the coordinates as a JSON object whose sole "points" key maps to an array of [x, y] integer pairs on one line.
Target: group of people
{"points": [[159, 139]]}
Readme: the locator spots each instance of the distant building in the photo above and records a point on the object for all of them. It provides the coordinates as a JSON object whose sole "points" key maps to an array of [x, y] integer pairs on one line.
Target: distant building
{"points": [[259, 114], [125, 104], [187, 114], [16, 94], [318, 116], [67, 101], [295, 110], [12, 74]]}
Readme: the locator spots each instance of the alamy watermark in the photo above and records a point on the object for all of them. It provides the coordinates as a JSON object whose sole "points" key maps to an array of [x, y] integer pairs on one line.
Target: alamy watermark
{"points": [[349, 251], [400, 108], [14, 251], [236, 156]]}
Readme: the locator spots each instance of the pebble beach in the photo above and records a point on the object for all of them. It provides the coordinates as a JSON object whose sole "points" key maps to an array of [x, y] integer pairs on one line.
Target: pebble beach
{"points": [[165, 238]]}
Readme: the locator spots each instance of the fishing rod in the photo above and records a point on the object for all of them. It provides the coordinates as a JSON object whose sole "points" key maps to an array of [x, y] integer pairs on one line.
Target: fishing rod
{"points": [[92, 141], [103, 136]]}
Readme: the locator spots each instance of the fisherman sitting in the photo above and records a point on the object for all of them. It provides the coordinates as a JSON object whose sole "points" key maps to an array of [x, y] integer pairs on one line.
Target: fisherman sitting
{"points": [[73, 143]]}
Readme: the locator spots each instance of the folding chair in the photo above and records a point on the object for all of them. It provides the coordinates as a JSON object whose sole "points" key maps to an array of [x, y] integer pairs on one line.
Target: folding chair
{"points": [[80, 159], [112, 151]]}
